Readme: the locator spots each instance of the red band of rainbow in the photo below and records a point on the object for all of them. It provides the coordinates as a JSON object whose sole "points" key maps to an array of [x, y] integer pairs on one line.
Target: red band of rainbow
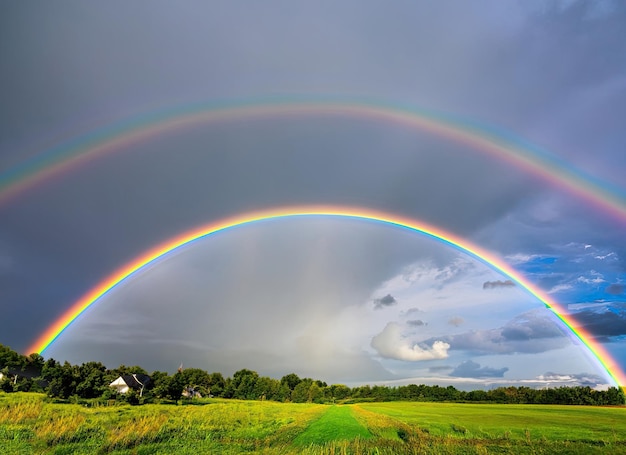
{"points": [[597, 351]]}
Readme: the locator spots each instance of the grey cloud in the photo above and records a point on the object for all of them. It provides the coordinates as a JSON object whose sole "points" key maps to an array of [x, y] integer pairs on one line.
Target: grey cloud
{"points": [[498, 284], [384, 302], [607, 321], [574, 379], [391, 344], [439, 368], [530, 326], [531, 332], [471, 369], [411, 312], [416, 322], [615, 289]]}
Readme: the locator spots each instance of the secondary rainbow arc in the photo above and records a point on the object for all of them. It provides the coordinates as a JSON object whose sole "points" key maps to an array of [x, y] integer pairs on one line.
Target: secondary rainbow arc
{"points": [[117, 138], [127, 271]]}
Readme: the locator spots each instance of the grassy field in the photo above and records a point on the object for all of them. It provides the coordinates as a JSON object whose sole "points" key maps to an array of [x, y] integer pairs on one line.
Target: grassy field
{"points": [[30, 423]]}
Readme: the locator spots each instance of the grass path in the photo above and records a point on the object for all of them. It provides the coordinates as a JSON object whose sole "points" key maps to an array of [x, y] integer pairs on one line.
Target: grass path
{"points": [[336, 424]]}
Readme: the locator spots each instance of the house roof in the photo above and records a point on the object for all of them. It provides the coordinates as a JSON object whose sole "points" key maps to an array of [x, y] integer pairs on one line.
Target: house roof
{"points": [[136, 381]]}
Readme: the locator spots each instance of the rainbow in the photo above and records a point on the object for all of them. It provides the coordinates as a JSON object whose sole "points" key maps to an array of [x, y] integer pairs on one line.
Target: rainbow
{"points": [[135, 266], [119, 138]]}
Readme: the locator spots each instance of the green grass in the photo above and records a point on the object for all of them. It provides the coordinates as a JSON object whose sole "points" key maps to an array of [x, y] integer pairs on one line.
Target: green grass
{"points": [[336, 424], [32, 424], [518, 422]]}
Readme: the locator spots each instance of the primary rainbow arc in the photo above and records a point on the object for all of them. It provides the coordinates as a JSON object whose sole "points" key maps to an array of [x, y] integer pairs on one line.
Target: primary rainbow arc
{"points": [[598, 352]]}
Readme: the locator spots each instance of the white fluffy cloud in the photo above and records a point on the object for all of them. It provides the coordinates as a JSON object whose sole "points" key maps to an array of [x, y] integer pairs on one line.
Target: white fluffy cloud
{"points": [[392, 345]]}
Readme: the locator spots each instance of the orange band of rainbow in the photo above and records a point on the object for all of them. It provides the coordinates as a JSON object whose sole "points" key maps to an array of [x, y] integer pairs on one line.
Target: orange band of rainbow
{"points": [[124, 273]]}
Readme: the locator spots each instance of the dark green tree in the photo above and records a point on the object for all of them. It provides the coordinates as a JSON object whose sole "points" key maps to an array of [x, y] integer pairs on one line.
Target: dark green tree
{"points": [[175, 386], [301, 393], [159, 384], [92, 380], [217, 384], [243, 384], [62, 379], [339, 391], [291, 380]]}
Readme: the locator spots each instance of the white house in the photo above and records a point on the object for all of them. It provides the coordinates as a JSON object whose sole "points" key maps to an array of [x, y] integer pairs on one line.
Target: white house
{"points": [[136, 381]]}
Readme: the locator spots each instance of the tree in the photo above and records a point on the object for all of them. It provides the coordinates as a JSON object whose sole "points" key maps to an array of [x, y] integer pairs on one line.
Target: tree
{"points": [[283, 393], [20, 370], [131, 397], [160, 383], [339, 391], [11, 360], [62, 379], [316, 393], [291, 380], [196, 378], [92, 381], [300, 393], [243, 384], [266, 388], [217, 384], [175, 386], [6, 384]]}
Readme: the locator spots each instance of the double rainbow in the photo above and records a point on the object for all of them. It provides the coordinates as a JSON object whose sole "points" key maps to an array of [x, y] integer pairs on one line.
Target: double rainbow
{"points": [[119, 138], [135, 266]]}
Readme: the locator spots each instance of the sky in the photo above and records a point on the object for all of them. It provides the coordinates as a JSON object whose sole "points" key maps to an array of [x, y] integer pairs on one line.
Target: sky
{"points": [[336, 299]]}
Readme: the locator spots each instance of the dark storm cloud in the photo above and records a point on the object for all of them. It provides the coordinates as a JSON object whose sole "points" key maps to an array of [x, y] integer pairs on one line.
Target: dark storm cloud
{"points": [[608, 321], [385, 302], [498, 284], [471, 369], [615, 289]]}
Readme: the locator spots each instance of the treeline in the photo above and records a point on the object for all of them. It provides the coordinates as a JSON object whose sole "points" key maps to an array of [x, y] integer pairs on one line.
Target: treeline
{"points": [[92, 379]]}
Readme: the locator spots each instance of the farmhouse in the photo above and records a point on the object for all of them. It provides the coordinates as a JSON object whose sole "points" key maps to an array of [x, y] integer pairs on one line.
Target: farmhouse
{"points": [[126, 382]]}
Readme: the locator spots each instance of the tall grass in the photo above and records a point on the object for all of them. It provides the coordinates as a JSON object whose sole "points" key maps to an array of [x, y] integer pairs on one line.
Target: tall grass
{"points": [[30, 423], [20, 407]]}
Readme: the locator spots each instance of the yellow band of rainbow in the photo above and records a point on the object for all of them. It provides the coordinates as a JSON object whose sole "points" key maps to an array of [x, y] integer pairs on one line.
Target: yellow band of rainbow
{"points": [[597, 351]]}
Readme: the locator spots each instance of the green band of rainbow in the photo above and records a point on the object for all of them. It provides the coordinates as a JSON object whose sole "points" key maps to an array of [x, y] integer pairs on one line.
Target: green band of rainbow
{"points": [[503, 146], [127, 271]]}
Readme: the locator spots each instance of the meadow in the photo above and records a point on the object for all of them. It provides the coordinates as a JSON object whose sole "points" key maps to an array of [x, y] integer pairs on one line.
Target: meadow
{"points": [[31, 423]]}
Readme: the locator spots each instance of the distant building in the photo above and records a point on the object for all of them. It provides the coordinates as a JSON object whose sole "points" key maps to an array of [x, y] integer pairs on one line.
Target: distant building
{"points": [[130, 381], [190, 392]]}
